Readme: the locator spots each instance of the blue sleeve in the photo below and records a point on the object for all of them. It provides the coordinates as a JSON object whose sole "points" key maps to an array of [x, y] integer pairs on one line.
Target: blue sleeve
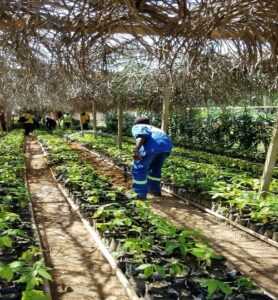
{"points": [[141, 130]]}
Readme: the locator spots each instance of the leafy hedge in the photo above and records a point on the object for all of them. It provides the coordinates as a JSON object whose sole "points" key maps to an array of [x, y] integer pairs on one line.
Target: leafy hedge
{"points": [[241, 134]]}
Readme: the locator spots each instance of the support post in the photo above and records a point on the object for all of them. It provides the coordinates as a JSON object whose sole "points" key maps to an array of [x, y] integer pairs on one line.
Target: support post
{"points": [[120, 124], [94, 113], [270, 161], [8, 119], [81, 125], [165, 111]]}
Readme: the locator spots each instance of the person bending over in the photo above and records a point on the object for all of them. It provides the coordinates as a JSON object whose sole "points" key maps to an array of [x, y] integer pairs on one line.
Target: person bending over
{"points": [[153, 146]]}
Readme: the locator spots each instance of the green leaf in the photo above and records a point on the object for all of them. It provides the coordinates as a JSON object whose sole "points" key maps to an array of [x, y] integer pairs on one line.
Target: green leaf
{"points": [[149, 271], [6, 272], [5, 241], [244, 282], [14, 232], [143, 267], [212, 286], [177, 268], [198, 252], [16, 265], [34, 295], [225, 288], [30, 253], [171, 246], [43, 273], [160, 270]]}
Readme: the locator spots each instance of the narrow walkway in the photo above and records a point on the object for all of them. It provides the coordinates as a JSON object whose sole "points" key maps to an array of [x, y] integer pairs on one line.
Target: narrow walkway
{"points": [[251, 256], [80, 272]]}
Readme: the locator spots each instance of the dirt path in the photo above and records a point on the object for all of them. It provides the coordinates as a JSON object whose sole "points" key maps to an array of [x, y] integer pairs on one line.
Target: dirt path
{"points": [[79, 270], [250, 255]]}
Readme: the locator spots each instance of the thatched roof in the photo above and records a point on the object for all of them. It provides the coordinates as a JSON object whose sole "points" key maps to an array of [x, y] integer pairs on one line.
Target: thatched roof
{"points": [[72, 21], [244, 19], [81, 37]]}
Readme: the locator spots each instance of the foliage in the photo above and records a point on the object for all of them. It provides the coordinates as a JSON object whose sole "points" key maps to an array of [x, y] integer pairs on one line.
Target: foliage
{"points": [[235, 133], [22, 265], [150, 246], [214, 285], [227, 181], [111, 122]]}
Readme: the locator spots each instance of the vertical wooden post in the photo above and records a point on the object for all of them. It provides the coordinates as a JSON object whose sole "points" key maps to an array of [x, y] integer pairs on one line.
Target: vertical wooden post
{"points": [[81, 125], [165, 111], [8, 119], [94, 113], [120, 124], [270, 161]]}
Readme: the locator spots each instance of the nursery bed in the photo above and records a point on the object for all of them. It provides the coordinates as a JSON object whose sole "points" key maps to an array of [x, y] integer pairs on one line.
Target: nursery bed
{"points": [[96, 198], [239, 247], [23, 274], [79, 270]]}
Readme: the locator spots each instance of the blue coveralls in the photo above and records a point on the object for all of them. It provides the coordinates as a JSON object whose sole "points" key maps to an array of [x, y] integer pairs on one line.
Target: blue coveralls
{"points": [[146, 173]]}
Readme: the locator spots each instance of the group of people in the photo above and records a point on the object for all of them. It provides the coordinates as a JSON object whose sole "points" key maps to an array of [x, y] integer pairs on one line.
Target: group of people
{"points": [[30, 121]]}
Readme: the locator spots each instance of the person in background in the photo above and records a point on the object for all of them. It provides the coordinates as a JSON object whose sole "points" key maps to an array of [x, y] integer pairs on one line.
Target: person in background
{"points": [[66, 121], [50, 123], [84, 120], [153, 146], [3, 126], [28, 122]]}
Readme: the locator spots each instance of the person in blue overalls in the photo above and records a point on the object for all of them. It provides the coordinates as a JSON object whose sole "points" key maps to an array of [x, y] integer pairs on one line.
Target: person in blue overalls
{"points": [[153, 146]]}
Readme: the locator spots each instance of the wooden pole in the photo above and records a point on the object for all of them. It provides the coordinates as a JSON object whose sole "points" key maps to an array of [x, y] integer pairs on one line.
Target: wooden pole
{"points": [[94, 111], [270, 160], [165, 110], [81, 125], [8, 119], [120, 124]]}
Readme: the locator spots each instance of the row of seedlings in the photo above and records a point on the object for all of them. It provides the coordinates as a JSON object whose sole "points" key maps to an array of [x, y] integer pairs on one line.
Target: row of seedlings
{"points": [[160, 259], [253, 168], [234, 194], [22, 270]]}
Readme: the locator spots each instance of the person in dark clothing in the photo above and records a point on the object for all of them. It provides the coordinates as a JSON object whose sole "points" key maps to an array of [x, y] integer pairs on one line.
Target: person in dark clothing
{"points": [[28, 122], [3, 121], [50, 124]]}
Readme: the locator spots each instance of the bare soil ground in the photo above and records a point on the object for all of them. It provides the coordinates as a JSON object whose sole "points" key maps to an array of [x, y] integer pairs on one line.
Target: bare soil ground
{"points": [[79, 270], [251, 256]]}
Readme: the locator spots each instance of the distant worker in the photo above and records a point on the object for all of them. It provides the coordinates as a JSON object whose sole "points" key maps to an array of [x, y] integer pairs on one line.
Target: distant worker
{"points": [[50, 123], [85, 120], [28, 120], [66, 121], [153, 146], [3, 126]]}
